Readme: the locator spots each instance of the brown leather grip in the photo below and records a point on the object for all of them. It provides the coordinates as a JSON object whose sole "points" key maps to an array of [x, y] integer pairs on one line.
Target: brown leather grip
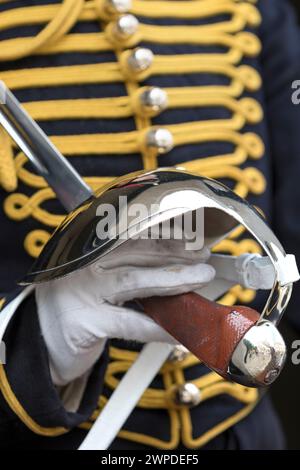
{"points": [[209, 330]]}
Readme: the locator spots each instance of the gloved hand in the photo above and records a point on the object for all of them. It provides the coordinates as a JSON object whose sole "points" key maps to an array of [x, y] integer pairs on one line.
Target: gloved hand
{"points": [[79, 312]]}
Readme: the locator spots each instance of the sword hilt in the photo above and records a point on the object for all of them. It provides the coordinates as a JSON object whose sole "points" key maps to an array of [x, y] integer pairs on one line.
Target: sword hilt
{"points": [[226, 339]]}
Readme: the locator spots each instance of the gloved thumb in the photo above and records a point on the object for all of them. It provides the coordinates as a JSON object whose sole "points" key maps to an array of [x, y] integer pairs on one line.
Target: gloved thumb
{"points": [[134, 283]]}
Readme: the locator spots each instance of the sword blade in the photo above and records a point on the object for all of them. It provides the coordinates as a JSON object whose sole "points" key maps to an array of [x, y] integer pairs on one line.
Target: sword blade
{"points": [[49, 163]]}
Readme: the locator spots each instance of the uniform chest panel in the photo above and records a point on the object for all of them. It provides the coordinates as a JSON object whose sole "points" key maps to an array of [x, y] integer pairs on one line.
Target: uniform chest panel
{"points": [[90, 84]]}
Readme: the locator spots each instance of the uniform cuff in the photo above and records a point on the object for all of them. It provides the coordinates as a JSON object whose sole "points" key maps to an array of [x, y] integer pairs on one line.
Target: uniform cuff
{"points": [[25, 380]]}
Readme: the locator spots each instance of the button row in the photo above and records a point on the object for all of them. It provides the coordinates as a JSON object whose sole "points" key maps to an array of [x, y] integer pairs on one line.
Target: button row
{"points": [[152, 100]]}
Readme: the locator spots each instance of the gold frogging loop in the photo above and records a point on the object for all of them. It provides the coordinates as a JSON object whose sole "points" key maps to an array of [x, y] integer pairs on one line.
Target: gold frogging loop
{"points": [[241, 15], [108, 72], [242, 44]]}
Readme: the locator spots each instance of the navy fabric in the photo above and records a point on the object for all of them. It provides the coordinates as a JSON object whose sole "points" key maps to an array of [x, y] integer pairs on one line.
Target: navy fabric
{"points": [[261, 430], [281, 66]]}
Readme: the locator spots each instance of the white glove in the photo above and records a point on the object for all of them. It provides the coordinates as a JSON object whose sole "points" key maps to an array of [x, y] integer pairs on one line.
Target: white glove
{"points": [[79, 312]]}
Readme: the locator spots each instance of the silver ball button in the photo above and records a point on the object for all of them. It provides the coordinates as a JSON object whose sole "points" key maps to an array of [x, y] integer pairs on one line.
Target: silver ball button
{"points": [[118, 6], [126, 26], [140, 59], [188, 394], [160, 139], [154, 100]]}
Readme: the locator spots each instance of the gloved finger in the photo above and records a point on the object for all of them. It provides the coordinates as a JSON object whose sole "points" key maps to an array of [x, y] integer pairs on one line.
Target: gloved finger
{"points": [[153, 253], [125, 323], [127, 283]]}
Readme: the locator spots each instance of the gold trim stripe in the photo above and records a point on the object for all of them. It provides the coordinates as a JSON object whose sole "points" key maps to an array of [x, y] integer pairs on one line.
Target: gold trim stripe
{"points": [[153, 9], [111, 72], [242, 43], [22, 414], [119, 107]]}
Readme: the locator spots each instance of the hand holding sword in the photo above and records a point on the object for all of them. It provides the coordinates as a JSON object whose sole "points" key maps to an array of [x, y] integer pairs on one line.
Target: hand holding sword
{"points": [[234, 328]]}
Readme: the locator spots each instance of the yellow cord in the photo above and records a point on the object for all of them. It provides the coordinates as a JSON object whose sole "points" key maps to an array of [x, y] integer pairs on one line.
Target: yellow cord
{"points": [[8, 176], [58, 26], [22, 414]]}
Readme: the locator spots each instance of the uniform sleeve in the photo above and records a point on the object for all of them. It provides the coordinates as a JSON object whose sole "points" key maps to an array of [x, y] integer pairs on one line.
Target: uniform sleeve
{"points": [[280, 61], [29, 402]]}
